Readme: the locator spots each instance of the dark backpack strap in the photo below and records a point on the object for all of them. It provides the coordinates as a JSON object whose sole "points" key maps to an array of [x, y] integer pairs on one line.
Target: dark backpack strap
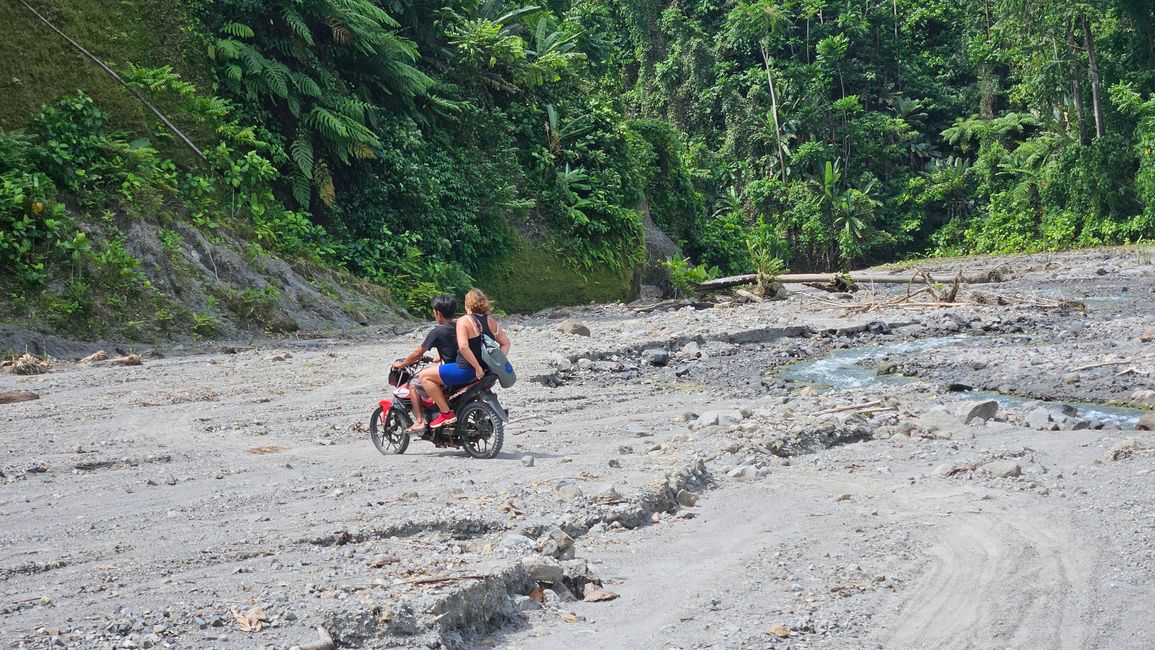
{"points": [[483, 325]]}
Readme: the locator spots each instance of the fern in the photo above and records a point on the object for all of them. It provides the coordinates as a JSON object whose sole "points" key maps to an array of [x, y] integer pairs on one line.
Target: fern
{"points": [[326, 191], [302, 153], [327, 123], [302, 188], [239, 31], [297, 25]]}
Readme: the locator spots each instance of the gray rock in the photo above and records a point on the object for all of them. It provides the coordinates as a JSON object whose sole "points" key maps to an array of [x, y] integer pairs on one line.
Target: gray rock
{"points": [[983, 410], [527, 461], [543, 569], [1002, 469], [523, 603], [518, 543], [1040, 419], [569, 491], [687, 499], [1122, 449], [691, 349], [1072, 424], [562, 364], [1146, 422], [656, 356], [938, 420], [574, 327]]}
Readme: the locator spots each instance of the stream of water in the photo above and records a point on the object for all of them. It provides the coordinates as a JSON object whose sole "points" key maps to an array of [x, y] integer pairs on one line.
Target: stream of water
{"points": [[841, 369]]}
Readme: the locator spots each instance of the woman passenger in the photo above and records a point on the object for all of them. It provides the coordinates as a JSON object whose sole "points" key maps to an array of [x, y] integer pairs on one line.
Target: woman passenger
{"points": [[469, 367]]}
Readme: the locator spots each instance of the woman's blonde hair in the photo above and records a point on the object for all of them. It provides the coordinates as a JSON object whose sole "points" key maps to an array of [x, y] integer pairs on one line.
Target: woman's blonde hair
{"points": [[476, 302]]}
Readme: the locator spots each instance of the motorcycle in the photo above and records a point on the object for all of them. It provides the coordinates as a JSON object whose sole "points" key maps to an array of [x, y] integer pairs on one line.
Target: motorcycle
{"points": [[480, 426]]}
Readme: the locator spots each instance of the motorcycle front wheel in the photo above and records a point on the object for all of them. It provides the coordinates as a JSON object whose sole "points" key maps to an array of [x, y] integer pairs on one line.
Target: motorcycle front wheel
{"points": [[388, 431], [481, 430]]}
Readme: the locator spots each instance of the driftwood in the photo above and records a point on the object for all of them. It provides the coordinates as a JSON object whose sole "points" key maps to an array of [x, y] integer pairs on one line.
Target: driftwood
{"points": [[17, 396], [851, 407], [324, 643], [857, 278]]}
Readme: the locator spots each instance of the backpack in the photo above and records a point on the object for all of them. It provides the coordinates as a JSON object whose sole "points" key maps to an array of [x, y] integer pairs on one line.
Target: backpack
{"points": [[494, 358]]}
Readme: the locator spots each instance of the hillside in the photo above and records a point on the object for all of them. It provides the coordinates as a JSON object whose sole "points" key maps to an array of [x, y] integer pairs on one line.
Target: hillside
{"points": [[427, 147]]}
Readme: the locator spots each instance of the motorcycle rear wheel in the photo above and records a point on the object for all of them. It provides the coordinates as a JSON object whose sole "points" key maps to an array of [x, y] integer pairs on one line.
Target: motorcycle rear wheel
{"points": [[388, 432], [481, 430]]}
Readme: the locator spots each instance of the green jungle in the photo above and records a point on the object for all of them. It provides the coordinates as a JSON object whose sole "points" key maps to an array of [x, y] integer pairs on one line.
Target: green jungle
{"points": [[368, 154]]}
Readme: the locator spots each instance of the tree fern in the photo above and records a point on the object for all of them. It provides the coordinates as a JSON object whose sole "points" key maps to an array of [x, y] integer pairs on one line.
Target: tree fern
{"points": [[301, 152], [238, 30]]}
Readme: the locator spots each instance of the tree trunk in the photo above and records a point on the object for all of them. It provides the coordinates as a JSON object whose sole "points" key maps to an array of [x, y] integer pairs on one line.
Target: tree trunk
{"points": [[1076, 87], [1093, 63], [774, 110]]}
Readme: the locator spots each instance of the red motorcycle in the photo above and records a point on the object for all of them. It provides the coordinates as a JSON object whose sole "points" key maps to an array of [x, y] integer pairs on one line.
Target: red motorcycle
{"points": [[480, 427]]}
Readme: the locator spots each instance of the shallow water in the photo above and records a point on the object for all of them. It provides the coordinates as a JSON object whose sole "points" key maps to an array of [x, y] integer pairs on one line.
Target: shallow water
{"points": [[841, 369]]}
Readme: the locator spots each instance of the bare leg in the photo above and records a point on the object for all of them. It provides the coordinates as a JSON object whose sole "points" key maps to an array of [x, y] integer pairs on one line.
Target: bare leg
{"points": [[418, 412], [432, 383]]}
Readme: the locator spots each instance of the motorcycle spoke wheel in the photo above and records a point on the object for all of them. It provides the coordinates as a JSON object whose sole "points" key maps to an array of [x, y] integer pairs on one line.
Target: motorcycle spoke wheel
{"points": [[387, 430], [480, 430]]}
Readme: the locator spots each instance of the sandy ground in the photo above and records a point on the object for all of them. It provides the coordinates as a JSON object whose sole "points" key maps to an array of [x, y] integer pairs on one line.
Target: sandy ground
{"points": [[181, 502]]}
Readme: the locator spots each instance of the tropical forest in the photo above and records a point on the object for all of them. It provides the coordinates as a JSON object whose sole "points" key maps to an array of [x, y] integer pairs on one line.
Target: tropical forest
{"points": [[191, 168]]}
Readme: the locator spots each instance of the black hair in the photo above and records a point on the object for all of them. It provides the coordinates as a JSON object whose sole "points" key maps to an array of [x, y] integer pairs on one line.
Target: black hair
{"points": [[445, 304]]}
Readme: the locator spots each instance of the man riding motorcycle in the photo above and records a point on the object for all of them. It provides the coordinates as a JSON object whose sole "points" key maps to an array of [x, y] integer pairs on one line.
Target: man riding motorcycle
{"points": [[442, 339]]}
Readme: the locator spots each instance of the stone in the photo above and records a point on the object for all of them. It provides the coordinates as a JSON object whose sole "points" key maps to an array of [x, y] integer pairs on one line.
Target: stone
{"points": [[687, 499], [614, 463], [1040, 419], [527, 461], [692, 350], [937, 420], [562, 364], [1146, 422], [517, 543], [983, 410], [543, 569], [1072, 424], [1002, 469], [1148, 335], [569, 491], [746, 473], [1122, 449], [573, 327], [959, 386], [522, 603], [656, 356]]}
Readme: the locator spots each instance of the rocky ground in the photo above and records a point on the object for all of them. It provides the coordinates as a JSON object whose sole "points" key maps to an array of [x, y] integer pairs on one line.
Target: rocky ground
{"points": [[794, 474]]}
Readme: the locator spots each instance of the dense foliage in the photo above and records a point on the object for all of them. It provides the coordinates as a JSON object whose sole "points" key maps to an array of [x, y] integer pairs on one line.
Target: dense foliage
{"points": [[419, 143]]}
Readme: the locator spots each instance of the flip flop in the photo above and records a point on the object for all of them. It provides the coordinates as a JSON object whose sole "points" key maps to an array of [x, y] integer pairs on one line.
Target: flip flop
{"points": [[416, 428]]}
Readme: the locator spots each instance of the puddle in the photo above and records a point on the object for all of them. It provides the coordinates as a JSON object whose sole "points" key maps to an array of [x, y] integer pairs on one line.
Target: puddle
{"points": [[842, 369]]}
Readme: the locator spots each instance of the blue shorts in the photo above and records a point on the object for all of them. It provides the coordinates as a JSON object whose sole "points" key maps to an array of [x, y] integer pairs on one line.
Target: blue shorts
{"points": [[454, 375]]}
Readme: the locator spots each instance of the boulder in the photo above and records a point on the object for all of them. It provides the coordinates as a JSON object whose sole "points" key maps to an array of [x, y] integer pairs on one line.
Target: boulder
{"points": [[571, 326], [543, 569], [1122, 449], [1147, 422], [1002, 469], [1040, 420], [983, 410], [656, 356], [937, 420]]}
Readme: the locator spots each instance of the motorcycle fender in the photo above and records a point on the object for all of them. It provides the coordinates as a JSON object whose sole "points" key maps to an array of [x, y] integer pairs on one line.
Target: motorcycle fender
{"points": [[491, 399], [385, 404]]}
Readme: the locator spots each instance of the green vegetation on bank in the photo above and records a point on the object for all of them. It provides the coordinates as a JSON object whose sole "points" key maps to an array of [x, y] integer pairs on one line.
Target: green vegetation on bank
{"points": [[431, 146]]}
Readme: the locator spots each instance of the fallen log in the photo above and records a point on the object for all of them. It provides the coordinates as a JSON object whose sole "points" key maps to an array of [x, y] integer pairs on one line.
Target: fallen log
{"points": [[17, 396], [859, 279]]}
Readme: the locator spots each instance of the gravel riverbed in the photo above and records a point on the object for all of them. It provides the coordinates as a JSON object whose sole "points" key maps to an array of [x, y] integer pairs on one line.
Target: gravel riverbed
{"points": [[794, 474]]}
